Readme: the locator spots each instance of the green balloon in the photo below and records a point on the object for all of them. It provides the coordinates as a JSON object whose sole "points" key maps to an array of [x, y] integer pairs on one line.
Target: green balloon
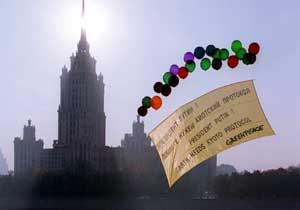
{"points": [[190, 65], [216, 53], [240, 54], [166, 77], [205, 64], [224, 54], [236, 45], [146, 102]]}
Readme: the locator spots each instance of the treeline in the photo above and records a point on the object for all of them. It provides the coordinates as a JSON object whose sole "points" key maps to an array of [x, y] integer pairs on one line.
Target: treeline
{"points": [[83, 185], [89, 185], [134, 178], [276, 183], [279, 183]]}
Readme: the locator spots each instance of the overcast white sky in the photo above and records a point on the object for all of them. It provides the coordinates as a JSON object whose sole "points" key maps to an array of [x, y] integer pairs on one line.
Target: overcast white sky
{"points": [[135, 43]]}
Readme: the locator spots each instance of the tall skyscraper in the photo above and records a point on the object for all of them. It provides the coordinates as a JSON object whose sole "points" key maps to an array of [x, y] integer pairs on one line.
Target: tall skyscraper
{"points": [[81, 117]]}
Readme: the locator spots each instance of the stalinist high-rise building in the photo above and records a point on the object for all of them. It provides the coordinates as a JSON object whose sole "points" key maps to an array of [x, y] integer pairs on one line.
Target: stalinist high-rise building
{"points": [[81, 117]]}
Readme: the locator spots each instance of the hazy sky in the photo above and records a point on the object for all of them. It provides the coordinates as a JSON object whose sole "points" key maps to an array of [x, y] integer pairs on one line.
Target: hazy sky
{"points": [[135, 42]]}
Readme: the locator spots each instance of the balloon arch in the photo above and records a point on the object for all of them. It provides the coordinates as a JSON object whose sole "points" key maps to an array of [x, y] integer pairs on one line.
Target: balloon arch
{"points": [[209, 57]]}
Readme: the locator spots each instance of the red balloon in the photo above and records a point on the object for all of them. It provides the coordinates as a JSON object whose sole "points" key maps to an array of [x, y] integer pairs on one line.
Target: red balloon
{"points": [[183, 72], [156, 102], [232, 61], [254, 48]]}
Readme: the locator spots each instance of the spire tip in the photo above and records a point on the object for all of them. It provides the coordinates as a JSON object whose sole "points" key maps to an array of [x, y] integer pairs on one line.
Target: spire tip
{"points": [[83, 9]]}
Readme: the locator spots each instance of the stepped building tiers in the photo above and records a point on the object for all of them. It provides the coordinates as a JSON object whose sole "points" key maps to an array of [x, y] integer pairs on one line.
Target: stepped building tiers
{"points": [[81, 139]]}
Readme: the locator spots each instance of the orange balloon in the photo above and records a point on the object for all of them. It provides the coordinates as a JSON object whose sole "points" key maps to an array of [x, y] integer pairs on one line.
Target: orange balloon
{"points": [[156, 102]]}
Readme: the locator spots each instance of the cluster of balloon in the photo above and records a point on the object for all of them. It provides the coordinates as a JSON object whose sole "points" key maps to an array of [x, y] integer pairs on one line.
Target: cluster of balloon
{"points": [[214, 58]]}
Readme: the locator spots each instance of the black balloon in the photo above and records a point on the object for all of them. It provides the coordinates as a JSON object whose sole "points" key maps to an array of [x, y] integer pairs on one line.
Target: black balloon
{"points": [[166, 90], [249, 58], [173, 81], [142, 111], [157, 87], [216, 64], [252, 58], [209, 50], [199, 52]]}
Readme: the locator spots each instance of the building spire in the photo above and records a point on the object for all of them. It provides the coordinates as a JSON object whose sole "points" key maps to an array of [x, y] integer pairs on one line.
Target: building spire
{"points": [[83, 9], [83, 32], [83, 45], [138, 118]]}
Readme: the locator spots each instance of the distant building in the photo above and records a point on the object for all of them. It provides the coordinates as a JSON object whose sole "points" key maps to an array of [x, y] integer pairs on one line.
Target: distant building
{"points": [[27, 150], [226, 169], [137, 141], [137, 154], [3, 165]]}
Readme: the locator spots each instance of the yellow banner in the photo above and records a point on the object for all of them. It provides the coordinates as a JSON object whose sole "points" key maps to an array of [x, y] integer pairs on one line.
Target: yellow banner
{"points": [[204, 127]]}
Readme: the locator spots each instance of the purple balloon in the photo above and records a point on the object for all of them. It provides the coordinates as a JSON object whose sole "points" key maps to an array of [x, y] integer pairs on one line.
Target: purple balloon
{"points": [[188, 57], [174, 69]]}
